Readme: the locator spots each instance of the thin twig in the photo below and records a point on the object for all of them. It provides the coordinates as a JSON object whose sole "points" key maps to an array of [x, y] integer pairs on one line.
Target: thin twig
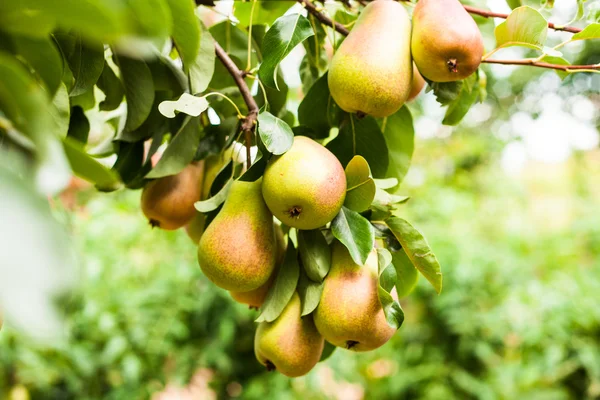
{"points": [[238, 76], [310, 7]]}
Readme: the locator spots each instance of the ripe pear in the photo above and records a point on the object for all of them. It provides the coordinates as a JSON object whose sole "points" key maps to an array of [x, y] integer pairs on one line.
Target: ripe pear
{"points": [[417, 84], [237, 250], [306, 186], [195, 228], [371, 71], [256, 298], [446, 42], [350, 314], [168, 202], [291, 344]]}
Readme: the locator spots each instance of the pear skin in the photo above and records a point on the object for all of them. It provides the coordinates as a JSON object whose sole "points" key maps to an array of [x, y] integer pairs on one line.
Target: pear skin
{"points": [[371, 71], [291, 344], [446, 42], [168, 202], [237, 250], [305, 187], [417, 84], [195, 228], [350, 314], [256, 298]]}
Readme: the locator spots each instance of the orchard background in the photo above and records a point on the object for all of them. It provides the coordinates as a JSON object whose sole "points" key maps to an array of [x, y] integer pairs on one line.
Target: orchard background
{"points": [[501, 170]]}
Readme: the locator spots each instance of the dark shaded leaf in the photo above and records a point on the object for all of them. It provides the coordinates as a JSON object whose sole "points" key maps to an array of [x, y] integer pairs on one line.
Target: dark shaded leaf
{"points": [[87, 168], [399, 134], [314, 253], [79, 126], [139, 90], [112, 87]]}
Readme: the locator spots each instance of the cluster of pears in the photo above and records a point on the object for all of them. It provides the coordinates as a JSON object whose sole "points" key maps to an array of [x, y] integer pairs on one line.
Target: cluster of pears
{"points": [[372, 71], [242, 250]]}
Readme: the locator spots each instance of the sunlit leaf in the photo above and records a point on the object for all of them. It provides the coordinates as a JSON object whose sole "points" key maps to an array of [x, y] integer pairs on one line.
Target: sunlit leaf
{"points": [[355, 232], [525, 26]]}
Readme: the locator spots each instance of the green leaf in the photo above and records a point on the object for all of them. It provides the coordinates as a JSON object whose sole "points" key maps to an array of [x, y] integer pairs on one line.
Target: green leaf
{"points": [[215, 201], [85, 59], [514, 3], [559, 61], [149, 18], [466, 98], [203, 68], [407, 275], [186, 30], [187, 104], [60, 111], [355, 232], [592, 31], [361, 137], [399, 134], [361, 187], [181, 150], [327, 351], [234, 41], [283, 288], [265, 12], [139, 90], [525, 26], [87, 168], [387, 183], [287, 32], [445, 92], [130, 162], [315, 254], [79, 126], [318, 110], [43, 55], [417, 249], [387, 279], [315, 61], [112, 87], [276, 135], [309, 292]]}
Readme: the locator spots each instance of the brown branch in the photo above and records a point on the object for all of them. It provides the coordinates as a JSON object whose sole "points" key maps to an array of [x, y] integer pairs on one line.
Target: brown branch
{"points": [[545, 65], [238, 76], [491, 14], [310, 7]]}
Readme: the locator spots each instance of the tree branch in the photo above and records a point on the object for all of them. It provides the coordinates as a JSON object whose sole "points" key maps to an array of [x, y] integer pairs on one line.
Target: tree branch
{"points": [[310, 7], [238, 76]]}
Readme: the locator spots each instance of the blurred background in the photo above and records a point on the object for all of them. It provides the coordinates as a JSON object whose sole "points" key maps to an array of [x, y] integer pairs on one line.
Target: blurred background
{"points": [[509, 201]]}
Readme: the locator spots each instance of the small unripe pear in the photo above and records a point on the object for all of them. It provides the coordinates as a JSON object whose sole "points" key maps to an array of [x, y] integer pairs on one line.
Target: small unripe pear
{"points": [[417, 84]]}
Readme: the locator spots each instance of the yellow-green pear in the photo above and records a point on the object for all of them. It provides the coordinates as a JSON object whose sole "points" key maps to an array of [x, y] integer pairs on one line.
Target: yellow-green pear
{"points": [[417, 84], [291, 344], [237, 250], [371, 71], [446, 42], [305, 187], [350, 314], [255, 298], [168, 202], [195, 228]]}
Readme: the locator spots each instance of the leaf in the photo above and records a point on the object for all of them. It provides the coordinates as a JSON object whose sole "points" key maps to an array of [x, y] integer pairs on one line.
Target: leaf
{"points": [[79, 126], [187, 104], [60, 111], [234, 41], [386, 183], [355, 232], [265, 12], [361, 137], [181, 150], [387, 279], [387, 274], [130, 162], [185, 31], [361, 187], [203, 68], [407, 275], [287, 32], [215, 201], [85, 59], [43, 55], [318, 110], [525, 26], [327, 351], [315, 254], [399, 134], [112, 87], [559, 61], [87, 168], [283, 288], [592, 31], [445, 92], [276, 135], [417, 250], [139, 90], [310, 293], [461, 105]]}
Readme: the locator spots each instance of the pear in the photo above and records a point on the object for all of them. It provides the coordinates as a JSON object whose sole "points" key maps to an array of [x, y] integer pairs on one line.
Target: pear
{"points": [[237, 250], [371, 71], [195, 228], [168, 202], [291, 344], [446, 42], [256, 298], [350, 314], [417, 84], [306, 186]]}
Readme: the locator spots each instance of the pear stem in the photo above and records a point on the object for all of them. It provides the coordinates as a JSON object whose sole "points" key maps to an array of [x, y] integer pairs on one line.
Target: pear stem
{"points": [[250, 120]]}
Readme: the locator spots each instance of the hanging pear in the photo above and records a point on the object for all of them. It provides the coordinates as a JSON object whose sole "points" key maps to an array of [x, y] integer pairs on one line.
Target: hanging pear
{"points": [[446, 42], [350, 314], [291, 344], [371, 71], [237, 250]]}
